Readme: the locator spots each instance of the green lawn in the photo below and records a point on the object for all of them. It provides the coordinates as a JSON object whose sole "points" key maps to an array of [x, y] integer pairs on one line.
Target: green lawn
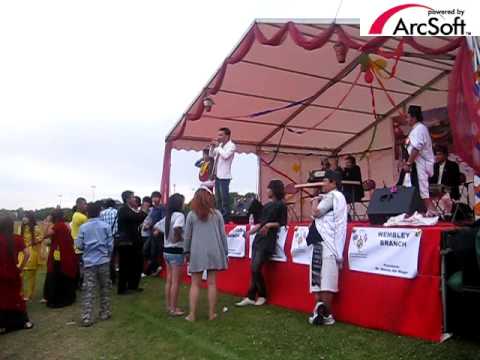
{"points": [[141, 329]]}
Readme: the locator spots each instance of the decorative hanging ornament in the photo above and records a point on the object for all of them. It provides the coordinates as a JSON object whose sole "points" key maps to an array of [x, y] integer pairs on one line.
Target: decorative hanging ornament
{"points": [[340, 51], [296, 167], [379, 66], [364, 62], [368, 76], [208, 103]]}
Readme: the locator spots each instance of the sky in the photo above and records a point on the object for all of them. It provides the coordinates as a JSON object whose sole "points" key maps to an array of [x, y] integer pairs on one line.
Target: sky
{"points": [[90, 89]]}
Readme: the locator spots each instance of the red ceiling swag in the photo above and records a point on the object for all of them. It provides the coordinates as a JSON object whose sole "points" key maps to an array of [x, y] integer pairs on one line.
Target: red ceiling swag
{"points": [[310, 43]]}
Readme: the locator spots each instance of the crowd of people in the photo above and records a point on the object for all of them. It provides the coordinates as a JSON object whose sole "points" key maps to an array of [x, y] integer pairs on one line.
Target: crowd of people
{"points": [[144, 233]]}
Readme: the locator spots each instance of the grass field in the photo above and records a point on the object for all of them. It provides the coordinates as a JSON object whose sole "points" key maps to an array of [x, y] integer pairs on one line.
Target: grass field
{"points": [[141, 329]]}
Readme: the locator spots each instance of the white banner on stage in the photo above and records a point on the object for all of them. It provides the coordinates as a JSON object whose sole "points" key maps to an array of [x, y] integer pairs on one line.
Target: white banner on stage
{"points": [[279, 252], [385, 251], [301, 252], [236, 239]]}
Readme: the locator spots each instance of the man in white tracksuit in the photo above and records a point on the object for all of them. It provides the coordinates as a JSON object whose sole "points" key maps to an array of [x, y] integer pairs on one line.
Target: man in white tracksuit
{"points": [[330, 214]]}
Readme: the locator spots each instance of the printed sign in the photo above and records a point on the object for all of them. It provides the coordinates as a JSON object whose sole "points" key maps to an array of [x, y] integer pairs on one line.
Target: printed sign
{"points": [[279, 252], [301, 252], [385, 251], [236, 239]]}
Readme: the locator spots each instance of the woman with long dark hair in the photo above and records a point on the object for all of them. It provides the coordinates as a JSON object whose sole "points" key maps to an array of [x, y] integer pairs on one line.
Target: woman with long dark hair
{"points": [[60, 283], [206, 248], [172, 228], [32, 238], [13, 312]]}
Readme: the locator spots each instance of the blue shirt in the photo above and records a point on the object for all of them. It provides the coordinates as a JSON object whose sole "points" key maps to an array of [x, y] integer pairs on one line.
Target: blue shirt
{"points": [[96, 241]]}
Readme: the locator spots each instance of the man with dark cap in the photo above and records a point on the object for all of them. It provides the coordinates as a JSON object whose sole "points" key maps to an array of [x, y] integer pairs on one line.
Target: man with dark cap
{"points": [[329, 212], [419, 166]]}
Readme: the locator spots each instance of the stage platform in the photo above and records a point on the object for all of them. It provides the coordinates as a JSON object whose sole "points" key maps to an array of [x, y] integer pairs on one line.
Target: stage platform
{"points": [[411, 307]]}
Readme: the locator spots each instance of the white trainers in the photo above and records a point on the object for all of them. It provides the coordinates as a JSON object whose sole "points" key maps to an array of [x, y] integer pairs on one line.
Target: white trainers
{"points": [[328, 320], [317, 317], [260, 301], [245, 302]]}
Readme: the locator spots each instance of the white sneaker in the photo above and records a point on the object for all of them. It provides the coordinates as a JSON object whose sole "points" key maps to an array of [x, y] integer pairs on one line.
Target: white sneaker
{"points": [[143, 275], [328, 320], [317, 314], [245, 302], [157, 272], [318, 309], [260, 301], [312, 320]]}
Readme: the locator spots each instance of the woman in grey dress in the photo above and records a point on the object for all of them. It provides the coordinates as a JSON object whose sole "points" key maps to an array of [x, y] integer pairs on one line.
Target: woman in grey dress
{"points": [[205, 247]]}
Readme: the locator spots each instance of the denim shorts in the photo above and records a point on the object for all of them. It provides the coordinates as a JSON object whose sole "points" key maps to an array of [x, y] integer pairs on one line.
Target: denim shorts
{"points": [[174, 259]]}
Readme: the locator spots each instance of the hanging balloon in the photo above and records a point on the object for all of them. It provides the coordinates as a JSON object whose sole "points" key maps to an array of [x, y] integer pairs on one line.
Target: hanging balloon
{"points": [[368, 76], [364, 62], [340, 51]]}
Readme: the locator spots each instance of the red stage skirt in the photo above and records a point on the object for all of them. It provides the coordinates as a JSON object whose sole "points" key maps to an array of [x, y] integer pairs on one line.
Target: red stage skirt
{"points": [[410, 307]]}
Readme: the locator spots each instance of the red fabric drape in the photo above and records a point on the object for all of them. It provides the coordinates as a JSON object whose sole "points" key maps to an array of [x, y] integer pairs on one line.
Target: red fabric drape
{"points": [[463, 109], [62, 240], [452, 45], [10, 280]]}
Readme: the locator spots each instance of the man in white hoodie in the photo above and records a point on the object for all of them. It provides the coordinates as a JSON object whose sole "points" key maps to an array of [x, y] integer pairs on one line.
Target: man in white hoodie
{"points": [[330, 215]]}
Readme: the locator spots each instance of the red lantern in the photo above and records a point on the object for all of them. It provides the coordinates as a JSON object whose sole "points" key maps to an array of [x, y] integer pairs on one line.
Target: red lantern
{"points": [[340, 51]]}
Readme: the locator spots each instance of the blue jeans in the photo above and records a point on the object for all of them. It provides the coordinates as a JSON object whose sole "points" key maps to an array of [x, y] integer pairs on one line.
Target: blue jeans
{"points": [[222, 190], [174, 259]]}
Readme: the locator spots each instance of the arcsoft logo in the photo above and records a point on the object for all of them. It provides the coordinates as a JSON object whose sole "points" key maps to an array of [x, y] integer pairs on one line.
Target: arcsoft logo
{"points": [[414, 19]]}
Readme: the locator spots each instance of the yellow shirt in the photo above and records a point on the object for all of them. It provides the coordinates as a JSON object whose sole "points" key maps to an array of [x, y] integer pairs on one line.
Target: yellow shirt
{"points": [[33, 243], [77, 220]]}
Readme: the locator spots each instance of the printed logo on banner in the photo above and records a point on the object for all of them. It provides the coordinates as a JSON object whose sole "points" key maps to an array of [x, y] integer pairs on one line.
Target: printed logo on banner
{"points": [[300, 251], [419, 19], [236, 240], [279, 252], [385, 251], [359, 237]]}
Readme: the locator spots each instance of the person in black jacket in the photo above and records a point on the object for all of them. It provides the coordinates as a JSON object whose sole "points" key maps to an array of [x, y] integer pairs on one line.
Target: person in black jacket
{"points": [[274, 216], [352, 172], [130, 254], [446, 172]]}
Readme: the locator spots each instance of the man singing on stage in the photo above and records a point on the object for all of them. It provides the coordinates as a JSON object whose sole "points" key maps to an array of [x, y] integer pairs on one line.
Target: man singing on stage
{"points": [[223, 150], [419, 166]]}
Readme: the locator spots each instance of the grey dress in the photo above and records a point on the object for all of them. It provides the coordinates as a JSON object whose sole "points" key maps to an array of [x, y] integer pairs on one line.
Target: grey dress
{"points": [[206, 242]]}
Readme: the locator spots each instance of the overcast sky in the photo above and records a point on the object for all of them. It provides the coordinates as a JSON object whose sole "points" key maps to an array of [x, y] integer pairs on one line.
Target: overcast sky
{"points": [[89, 89]]}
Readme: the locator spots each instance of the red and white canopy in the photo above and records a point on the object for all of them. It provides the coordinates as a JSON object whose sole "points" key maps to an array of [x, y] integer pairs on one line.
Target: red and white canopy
{"points": [[330, 107]]}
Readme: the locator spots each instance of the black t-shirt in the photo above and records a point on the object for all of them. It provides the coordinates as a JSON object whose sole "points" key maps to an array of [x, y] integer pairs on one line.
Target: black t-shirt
{"points": [[274, 211], [353, 174]]}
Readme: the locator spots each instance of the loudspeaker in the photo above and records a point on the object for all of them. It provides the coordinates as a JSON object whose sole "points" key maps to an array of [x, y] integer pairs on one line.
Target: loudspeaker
{"points": [[386, 203], [460, 249]]}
